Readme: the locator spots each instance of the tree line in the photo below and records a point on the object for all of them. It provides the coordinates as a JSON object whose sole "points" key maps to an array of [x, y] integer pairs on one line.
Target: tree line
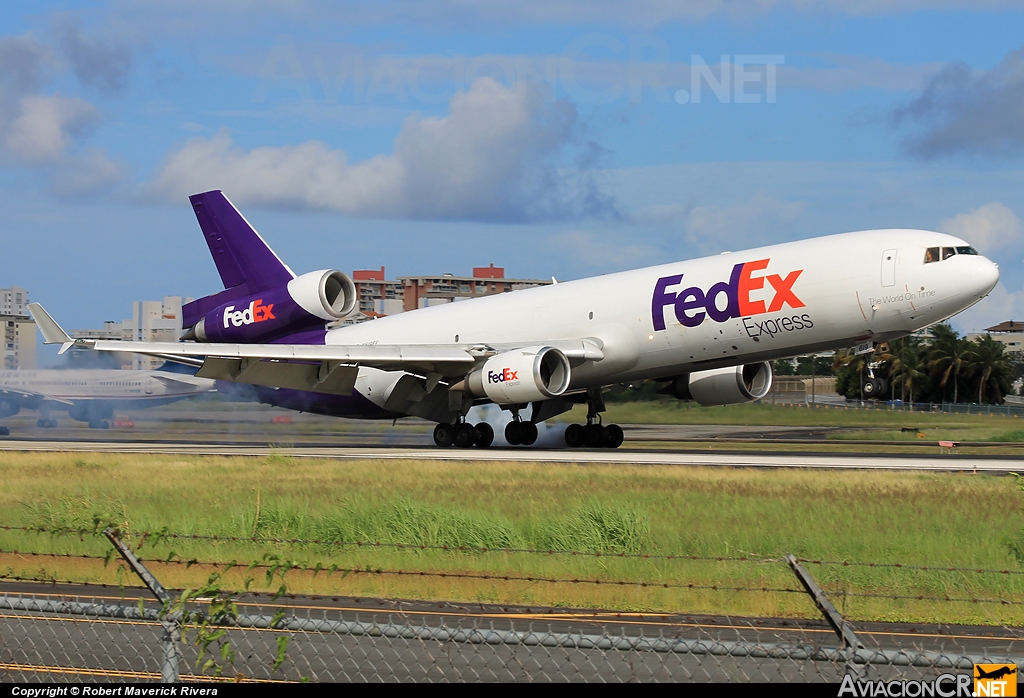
{"points": [[943, 367]]}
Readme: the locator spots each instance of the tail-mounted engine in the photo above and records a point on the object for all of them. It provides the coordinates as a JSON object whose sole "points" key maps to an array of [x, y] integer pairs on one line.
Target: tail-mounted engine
{"points": [[523, 375], [306, 302], [724, 386]]}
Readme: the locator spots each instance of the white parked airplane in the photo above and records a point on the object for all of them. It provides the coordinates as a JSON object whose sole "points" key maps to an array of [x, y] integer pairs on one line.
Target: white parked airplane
{"points": [[708, 326], [92, 395]]}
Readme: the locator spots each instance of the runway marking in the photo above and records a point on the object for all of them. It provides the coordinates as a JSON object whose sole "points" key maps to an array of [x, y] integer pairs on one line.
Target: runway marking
{"points": [[585, 617], [127, 674], [629, 457]]}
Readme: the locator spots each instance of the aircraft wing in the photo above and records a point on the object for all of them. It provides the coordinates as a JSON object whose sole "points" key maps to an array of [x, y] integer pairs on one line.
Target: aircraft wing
{"points": [[319, 368]]}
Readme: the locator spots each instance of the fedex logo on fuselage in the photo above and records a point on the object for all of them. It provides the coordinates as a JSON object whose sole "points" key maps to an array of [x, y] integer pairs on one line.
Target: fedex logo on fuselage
{"points": [[506, 374], [692, 305], [256, 312]]}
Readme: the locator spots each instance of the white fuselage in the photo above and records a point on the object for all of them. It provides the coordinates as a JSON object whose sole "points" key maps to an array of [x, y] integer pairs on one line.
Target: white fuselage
{"points": [[823, 293], [121, 387]]}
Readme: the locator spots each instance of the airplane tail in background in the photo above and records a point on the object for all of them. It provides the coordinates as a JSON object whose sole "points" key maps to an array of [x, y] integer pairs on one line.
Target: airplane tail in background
{"points": [[244, 260]]}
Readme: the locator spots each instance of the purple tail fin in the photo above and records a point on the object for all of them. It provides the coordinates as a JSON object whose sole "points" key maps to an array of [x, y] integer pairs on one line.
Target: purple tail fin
{"points": [[244, 260]]}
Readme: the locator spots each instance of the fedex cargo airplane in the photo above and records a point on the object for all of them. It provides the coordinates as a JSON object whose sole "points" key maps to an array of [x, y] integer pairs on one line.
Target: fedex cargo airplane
{"points": [[708, 327], [92, 395]]}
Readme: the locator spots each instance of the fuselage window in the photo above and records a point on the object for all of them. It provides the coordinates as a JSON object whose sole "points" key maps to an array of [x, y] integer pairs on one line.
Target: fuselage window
{"points": [[931, 255], [947, 252]]}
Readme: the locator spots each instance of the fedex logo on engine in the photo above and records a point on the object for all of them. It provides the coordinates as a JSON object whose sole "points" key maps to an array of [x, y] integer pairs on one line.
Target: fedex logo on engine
{"points": [[256, 312], [506, 374], [726, 299]]}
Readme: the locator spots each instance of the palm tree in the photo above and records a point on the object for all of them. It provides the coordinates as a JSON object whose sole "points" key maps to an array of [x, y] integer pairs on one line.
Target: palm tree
{"points": [[987, 363], [946, 356], [906, 363]]}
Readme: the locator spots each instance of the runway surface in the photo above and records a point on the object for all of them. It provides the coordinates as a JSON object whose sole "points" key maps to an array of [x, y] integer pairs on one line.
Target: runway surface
{"points": [[47, 646], [624, 456]]}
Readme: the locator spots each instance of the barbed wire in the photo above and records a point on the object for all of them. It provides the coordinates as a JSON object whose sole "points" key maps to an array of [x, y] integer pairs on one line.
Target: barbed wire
{"points": [[900, 565], [909, 597], [284, 567], [156, 536]]}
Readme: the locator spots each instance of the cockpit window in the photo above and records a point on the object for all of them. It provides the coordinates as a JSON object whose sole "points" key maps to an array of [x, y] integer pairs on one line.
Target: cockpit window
{"points": [[931, 255], [947, 252], [966, 250]]}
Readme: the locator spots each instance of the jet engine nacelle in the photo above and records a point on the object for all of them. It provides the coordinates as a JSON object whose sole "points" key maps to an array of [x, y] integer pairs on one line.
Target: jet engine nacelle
{"points": [[9, 409], [306, 302], [523, 375], [724, 386]]}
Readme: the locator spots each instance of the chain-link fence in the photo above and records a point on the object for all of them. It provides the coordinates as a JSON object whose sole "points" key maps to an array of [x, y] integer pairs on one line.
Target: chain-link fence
{"points": [[208, 634], [46, 639]]}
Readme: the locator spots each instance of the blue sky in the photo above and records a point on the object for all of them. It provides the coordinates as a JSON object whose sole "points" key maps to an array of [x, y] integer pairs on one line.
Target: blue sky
{"points": [[553, 138]]}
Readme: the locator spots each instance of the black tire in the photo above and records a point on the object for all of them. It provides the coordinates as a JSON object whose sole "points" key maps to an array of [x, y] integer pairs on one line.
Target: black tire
{"points": [[484, 435], [613, 436], [465, 435], [444, 435], [513, 433], [40, 424], [528, 434], [51, 424], [872, 388], [594, 435], [575, 435]]}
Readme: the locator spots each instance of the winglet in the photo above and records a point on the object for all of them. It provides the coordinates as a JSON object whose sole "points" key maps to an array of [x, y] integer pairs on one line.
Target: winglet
{"points": [[52, 332]]}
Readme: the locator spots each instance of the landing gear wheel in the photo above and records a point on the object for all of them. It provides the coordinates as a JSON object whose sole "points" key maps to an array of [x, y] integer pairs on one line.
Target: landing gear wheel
{"points": [[872, 388], [444, 435], [41, 423], [594, 435], [484, 435], [527, 433], [49, 423], [513, 433], [465, 435], [575, 435], [99, 424], [613, 436]]}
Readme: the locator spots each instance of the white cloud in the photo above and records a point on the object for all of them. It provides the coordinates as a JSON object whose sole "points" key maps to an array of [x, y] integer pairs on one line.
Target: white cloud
{"points": [[999, 306], [961, 111], [44, 130], [491, 158], [45, 126], [185, 14], [755, 221], [988, 228]]}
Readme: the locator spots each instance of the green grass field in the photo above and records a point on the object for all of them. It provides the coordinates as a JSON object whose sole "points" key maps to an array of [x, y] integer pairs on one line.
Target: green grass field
{"points": [[927, 519]]}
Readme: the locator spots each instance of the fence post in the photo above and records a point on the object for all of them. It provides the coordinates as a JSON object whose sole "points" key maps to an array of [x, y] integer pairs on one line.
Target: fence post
{"points": [[832, 616], [170, 638]]}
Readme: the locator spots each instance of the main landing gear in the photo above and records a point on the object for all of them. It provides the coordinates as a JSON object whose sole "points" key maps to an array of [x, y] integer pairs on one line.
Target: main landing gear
{"points": [[464, 435], [46, 423], [594, 434]]}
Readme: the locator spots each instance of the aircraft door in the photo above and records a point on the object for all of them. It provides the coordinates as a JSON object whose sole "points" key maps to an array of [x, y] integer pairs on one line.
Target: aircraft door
{"points": [[889, 268]]}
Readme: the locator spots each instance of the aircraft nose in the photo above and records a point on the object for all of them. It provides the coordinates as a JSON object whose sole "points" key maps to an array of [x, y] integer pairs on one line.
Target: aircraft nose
{"points": [[986, 276]]}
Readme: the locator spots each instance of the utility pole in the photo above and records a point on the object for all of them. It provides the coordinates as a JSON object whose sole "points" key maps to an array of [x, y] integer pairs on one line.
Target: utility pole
{"points": [[903, 373], [813, 393]]}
